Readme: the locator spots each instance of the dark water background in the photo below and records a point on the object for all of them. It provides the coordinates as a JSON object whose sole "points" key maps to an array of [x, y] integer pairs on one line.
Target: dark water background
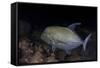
{"points": [[45, 15], [34, 18]]}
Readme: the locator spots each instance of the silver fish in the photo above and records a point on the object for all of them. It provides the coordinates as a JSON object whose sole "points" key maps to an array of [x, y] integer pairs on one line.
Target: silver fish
{"points": [[64, 38]]}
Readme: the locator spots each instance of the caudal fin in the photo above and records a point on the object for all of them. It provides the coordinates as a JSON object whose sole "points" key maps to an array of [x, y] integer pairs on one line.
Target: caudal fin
{"points": [[86, 41]]}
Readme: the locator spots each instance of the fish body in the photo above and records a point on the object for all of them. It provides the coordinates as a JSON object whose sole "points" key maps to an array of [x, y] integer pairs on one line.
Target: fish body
{"points": [[62, 38]]}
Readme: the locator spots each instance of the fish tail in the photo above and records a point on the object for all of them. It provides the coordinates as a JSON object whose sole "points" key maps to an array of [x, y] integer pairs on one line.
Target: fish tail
{"points": [[86, 41]]}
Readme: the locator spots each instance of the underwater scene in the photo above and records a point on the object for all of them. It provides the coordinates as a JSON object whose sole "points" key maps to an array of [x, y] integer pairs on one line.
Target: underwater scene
{"points": [[56, 33]]}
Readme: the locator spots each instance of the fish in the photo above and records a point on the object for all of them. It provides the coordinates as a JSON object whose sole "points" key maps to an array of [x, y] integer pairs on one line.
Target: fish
{"points": [[64, 38]]}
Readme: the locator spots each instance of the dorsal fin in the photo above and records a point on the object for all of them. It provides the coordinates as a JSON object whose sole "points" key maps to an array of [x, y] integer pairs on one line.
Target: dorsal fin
{"points": [[73, 26]]}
